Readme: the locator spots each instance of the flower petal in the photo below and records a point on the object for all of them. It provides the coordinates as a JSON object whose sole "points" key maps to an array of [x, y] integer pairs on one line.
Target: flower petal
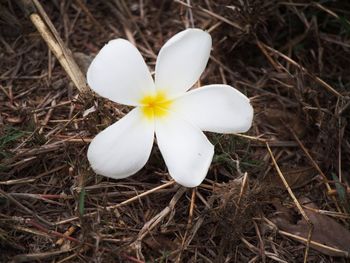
{"points": [[182, 60], [123, 148], [216, 108], [119, 73], [186, 150]]}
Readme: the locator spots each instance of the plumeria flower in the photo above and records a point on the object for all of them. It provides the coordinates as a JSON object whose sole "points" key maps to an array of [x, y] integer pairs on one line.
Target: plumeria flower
{"points": [[164, 108]]}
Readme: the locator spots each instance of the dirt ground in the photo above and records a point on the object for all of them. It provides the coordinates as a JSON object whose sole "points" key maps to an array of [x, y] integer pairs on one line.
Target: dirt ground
{"points": [[279, 193]]}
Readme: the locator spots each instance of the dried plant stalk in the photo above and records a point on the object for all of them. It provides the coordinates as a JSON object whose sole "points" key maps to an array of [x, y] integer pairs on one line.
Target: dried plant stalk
{"points": [[295, 200], [54, 42]]}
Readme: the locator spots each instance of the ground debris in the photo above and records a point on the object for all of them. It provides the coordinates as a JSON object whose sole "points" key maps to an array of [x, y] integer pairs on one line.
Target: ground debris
{"points": [[328, 236], [290, 57]]}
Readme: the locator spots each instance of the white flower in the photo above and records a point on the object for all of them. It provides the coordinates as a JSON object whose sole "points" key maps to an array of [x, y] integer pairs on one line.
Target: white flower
{"points": [[164, 108]]}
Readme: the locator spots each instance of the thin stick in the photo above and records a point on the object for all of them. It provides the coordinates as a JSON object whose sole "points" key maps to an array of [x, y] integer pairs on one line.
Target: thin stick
{"points": [[294, 63], [68, 233], [112, 207], [253, 138], [72, 239], [192, 205], [243, 188], [314, 243], [300, 208], [190, 14], [57, 51], [54, 42], [210, 13], [27, 210], [315, 165], [90, 16], [328, 213], [189, 223], [148, 226], [39, 256], [275, 64]]}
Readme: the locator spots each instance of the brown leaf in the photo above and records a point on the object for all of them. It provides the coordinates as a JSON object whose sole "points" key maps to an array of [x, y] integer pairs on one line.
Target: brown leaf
{"points": [[296, 177], [327, 231], [277, 118]]}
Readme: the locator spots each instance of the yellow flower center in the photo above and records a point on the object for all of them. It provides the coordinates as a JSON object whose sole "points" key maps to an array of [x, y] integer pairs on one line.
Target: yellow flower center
{"points": [[155, 105]]}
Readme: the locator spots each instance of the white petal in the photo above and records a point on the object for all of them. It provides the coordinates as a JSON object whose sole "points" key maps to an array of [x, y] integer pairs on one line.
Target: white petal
{"points": [[182, 60], [119, 73], [123, 148], [185, 149], [216, 108]]}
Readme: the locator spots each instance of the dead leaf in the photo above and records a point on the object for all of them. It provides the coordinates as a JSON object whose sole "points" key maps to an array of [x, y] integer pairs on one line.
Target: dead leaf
{"points": [[277, 118], [327, 231], [295, 176]]}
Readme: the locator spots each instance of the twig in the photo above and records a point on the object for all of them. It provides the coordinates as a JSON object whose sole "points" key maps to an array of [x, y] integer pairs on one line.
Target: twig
{"points": [[221, 18], [294, 63], [54, 42], [90, 16], [253, 138], [314, 243], [147, 227], [68, 233], [328, 213], [27, 210], [315, 165], [189, 223], [38, 256], [252, 248], [112, 207], [243, 188], [300, 208], [64, 236]]}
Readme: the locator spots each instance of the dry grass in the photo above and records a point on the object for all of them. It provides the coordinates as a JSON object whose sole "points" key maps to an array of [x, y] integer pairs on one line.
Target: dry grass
{"points": [[290, 57]]}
